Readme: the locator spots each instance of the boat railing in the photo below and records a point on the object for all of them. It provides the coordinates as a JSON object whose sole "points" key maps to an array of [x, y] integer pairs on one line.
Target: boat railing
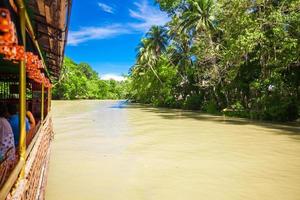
{"points": [[35, 157]]}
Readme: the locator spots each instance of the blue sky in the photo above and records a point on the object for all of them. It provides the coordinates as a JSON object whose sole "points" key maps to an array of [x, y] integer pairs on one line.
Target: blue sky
{"points": [[105, 33]]}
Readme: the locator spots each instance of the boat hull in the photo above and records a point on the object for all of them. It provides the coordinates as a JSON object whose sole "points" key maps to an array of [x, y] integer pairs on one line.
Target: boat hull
{"points": [[36, 168]]}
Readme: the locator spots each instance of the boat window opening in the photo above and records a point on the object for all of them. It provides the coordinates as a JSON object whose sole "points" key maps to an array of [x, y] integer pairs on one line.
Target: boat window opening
{"points": [[9, 94]]}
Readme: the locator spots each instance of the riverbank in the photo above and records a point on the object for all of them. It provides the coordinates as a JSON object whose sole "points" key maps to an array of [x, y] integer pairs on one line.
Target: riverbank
{"points": [[229, 115], [225, 115]]}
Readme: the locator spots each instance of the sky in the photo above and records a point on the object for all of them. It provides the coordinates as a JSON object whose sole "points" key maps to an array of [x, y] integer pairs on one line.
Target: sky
{"points": [[105, 33]]}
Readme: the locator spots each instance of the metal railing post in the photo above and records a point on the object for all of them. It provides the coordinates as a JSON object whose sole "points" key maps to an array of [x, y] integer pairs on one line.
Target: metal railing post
{"points": [[42, 102], [22, 92], [49, 99]]}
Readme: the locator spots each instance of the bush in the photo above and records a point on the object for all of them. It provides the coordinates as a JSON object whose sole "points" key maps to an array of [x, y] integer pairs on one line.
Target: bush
{"points": [[275, 107], [193, 102], [236, 110], [280, 109], [211, 107]]}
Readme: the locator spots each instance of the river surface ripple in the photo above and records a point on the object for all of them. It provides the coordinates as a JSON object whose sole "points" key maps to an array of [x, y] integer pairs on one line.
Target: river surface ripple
{"points": [[105, 150]]}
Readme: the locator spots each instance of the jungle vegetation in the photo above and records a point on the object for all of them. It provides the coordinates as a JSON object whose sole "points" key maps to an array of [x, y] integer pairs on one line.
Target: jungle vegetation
{"points": [[80, 81], [241, 57]]}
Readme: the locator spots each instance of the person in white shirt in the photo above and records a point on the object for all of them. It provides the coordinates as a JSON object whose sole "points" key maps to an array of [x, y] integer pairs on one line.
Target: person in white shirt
{"points": [[7, 144]]}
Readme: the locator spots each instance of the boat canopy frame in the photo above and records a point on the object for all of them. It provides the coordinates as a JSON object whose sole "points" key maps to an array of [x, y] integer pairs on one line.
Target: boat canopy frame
{"points": [[38, 37]]}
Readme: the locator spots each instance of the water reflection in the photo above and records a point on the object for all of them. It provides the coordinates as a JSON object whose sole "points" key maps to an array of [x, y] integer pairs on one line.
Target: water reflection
{"points": [[120, 104], [104, 152]]}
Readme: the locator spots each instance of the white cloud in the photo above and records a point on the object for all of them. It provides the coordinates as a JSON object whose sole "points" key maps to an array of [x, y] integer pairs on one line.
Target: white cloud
{"points": [[147, 15], [94, 33], [113, 77], [106, 8]]}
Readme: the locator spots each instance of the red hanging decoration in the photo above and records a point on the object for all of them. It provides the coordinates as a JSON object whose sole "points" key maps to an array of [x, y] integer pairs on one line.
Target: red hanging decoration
{"points": [[32, 61], [47, 83], [33, 68], [12, 51], [8, 38], [8, 35]]}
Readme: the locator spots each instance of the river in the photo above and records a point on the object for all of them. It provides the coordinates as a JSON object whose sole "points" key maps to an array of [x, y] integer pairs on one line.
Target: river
{"points": [[105, 150]]}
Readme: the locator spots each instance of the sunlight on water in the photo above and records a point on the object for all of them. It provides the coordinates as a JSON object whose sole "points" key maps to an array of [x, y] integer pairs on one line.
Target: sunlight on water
{"points": [[107, 150]]}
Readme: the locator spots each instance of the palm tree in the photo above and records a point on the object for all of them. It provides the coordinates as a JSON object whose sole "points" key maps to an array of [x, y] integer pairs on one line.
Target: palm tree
{"points": [[150, 48], [145, 58], [158, 39], [180, 48], [198, 17], [143, 52], [198, 20]]}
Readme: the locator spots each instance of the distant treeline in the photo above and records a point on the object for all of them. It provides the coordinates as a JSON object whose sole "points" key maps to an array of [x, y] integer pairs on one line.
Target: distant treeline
{"points": [[80, 81], [239, 55]]}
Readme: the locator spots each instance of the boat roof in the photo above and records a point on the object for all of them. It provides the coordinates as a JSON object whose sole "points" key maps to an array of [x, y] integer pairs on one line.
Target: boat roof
{"points": [[50, 21]]}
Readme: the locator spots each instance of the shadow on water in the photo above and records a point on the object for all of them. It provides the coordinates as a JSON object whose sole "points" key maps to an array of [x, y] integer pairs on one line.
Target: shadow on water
{"points": [[292, 129]]}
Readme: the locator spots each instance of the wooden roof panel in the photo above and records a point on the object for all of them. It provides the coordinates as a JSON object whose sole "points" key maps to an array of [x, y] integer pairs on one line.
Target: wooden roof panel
{"points": [[51, 21]]}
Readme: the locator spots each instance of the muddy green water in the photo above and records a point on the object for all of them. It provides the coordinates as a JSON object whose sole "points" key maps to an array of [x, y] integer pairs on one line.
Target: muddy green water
{"points": [[105, 151]]}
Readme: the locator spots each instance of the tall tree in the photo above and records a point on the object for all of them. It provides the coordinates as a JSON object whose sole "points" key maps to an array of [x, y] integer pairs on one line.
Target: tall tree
{"points": [[236, 54], [150, 49], [158, 40], [198, 20]]}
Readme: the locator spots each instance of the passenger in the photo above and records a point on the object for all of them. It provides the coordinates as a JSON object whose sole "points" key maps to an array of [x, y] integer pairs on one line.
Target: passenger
{"points": [[32, 123], [14, 122], [7, 144], [31, 119]]}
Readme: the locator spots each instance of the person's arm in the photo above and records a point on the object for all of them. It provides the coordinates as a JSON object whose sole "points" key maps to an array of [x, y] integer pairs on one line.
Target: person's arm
{"points": [[31, 119]]}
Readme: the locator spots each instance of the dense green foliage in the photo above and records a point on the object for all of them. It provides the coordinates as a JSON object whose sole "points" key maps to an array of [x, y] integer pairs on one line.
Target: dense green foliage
{"points": [[239, 55], [80, 81]]}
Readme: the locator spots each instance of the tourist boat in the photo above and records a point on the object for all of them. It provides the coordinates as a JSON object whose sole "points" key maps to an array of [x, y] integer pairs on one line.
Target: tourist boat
{"points": [[33, 35]]}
